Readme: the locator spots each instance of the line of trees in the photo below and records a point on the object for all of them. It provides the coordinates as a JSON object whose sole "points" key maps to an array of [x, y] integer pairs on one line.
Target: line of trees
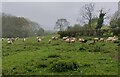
{"points": [[13, 26], [92, 25]]}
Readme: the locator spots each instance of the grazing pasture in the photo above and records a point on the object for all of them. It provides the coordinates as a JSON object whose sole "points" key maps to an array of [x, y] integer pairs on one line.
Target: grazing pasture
{"points": [[59, 58]]}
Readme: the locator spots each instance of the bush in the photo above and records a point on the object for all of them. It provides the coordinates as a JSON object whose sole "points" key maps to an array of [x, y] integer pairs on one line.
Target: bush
{"points": [[97, 48], [63, 66], [84, 47], [53, 56], [117, 41], [43, 65]]}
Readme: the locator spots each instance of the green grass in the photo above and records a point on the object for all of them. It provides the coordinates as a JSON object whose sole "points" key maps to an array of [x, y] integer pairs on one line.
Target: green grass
{"points": [[32, 58]]}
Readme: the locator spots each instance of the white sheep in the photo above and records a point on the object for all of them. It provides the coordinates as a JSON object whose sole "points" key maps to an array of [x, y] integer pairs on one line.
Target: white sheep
{"points": [[82, 40], [9, 42], [96, 39], [49, 41], [8, 39], [72, 41], [101, 39], [64, 38], [2, 39], [67, 40], [39, 39], [54, 38], [24, 39], [114, 38]]}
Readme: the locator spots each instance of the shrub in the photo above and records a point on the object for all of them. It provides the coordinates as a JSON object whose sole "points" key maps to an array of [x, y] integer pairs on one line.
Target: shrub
{"points": [[84, 47], [42, 65], [53, 56], [117, 41], [97, 48], [63, 66]]}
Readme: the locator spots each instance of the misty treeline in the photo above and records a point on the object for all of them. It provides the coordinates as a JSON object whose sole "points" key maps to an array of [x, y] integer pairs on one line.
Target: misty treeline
{"points": [[13, 26], [93, 25]]}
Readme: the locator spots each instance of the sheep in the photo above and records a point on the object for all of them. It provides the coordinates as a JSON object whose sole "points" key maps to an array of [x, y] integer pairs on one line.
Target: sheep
{"points": [[2, 39], [12, 39], [96, 39], [39, 39], [67, 40], [54, 38], [9, 42], [24, 39], [114, 38], [16, 38], [50, 41], [82, 40], [92, 42], [64, 38], [42, 38], [73, 38], [101, 39], [72, 41], [8, 39]]}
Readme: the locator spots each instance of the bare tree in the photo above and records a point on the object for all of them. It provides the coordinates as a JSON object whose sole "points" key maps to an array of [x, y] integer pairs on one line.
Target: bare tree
{"points": [[61, 23], [87, 13]]}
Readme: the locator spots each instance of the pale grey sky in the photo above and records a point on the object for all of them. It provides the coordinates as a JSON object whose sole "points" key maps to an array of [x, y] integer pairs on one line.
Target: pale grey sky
{"points": [[47, 13]]}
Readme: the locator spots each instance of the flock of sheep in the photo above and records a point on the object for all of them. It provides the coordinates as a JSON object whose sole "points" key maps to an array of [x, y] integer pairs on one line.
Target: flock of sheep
{"points": [[66, 39], [92, 41]]}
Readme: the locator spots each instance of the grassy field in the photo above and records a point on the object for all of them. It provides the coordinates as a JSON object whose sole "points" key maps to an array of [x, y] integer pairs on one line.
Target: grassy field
{"points": [[59, 58]]}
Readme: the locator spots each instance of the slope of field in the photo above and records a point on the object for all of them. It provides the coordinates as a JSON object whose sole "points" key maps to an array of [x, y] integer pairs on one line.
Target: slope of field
{"points": [[59, 58]]}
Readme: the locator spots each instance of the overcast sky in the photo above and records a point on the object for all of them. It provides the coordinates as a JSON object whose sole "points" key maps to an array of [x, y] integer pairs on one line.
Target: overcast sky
{"points": [[47, 13]]}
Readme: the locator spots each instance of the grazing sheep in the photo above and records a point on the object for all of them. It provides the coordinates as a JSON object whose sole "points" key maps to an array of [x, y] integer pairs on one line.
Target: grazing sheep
{"points": [[8, 39], [72, 41], [96, 39], [39, 39], [16, 38], [82, 40], [49, 41], [9, 42], [2, 39], [92, 42], [67, 40], [73, 38], [42, 38], [24, 39], [114, 38], [12, 39], [54, 38], [101, 39], [64, 38]]}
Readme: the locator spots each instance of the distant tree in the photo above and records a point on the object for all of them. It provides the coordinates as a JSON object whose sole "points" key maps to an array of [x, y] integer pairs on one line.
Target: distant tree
{"points": [[61, 23], [115, 24], [87, 13], [115, 20], [13, 26]]}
